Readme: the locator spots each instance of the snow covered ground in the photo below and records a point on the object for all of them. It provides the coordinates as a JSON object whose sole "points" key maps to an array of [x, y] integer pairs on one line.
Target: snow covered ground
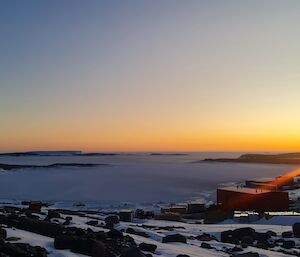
{"points": [[155, 230]]}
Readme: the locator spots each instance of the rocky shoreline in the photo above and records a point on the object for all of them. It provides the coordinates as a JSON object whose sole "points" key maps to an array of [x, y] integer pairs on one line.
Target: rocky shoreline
{"points": [[104, 235], [286, 158]]}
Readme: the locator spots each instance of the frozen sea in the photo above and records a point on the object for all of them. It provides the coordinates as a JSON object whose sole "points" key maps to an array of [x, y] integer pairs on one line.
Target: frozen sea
{"points": [[139, 178]]}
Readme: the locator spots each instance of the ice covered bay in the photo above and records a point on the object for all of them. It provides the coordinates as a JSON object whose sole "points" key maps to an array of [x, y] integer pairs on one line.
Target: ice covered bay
{"points": [[141, 178]]}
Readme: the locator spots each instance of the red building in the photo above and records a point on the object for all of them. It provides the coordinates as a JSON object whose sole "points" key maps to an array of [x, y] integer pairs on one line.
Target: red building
{"points": [[251, 199]]}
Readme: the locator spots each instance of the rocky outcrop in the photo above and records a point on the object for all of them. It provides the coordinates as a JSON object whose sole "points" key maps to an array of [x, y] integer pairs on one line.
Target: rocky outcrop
{"points": [[174, 238]]}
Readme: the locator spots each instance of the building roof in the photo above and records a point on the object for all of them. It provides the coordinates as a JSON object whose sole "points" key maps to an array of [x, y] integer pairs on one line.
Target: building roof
{"points": [[261, 180], [245, 190]]}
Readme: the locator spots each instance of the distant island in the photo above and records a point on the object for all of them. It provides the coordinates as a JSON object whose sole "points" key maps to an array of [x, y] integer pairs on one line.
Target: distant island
{"points": [[56, 153], [168, 154], [9, 167], [283, 158]]}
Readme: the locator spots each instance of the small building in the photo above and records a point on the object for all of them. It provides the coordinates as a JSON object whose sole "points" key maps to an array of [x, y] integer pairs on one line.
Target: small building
{"points": [[35, 206], [195, 207], [266, 183], [252, 199], [169, 216], [180, 209], [126, 215]]}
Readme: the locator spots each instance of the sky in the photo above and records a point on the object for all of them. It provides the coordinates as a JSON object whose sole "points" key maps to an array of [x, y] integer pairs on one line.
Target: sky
{"points": [[141, 75]]}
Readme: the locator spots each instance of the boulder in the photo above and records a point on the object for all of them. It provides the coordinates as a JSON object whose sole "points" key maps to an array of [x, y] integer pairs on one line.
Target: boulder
{"points": [[68, 220], [83, 246], [271, 233], [262, 237], [206, 245], [147, 247], [174, 238], [101, 235], [65, 242], [92, 222], [22, 250], [241, 232], [296, 229], [237, 235], [288, 244], [262, 246], [111, 220], [132, 252], [139, 233], [228, 237], [205, 237], [38, 226], [247, 240], [114, 233], [236, 249], [53, 214], [287, 234], [249, 254], [3, 233]]}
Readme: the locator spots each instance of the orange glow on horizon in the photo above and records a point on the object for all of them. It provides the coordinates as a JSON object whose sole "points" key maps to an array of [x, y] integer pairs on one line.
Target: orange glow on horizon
{"points": [[282, 180]]}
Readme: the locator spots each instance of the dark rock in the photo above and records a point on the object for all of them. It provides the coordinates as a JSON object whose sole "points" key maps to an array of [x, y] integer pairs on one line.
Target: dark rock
{"points": [[206, 246], [13, 239], [262, 237], [288, 234], [262, 246], [66, 223], [80, 245], [288, 244], [241, 232], [182, 255], [296, 229], [174, 238], [205, 237], [65, 242], [249, 254], [68, 218], [134, 232], [100, 235], [271, 233], [92, 222], [3, 233], [113, 233], [228, 237], [237, 235], [243, 245], [83, 246], [280, 240], [236, 249], [53, 214], [98, 249], [111, 220], [247, 240], [132, 252], [36, 226], [147, 247], [22, 250], [79, 231]]}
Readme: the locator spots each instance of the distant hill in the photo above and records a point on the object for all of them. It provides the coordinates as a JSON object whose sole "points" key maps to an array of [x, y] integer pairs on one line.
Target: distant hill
{"points": [[56, 153], [8, 167], [43, 153], [284, 158]]}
